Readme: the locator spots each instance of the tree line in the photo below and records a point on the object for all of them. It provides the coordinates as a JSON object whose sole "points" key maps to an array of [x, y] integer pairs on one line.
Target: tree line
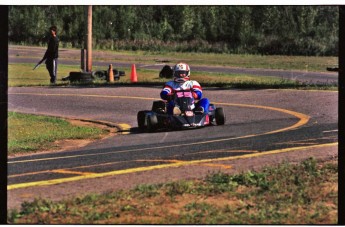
{"points": [[284, 30]]}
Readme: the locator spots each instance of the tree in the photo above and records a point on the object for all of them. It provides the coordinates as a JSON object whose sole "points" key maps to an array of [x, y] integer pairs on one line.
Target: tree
{"points": [[301, 30]]}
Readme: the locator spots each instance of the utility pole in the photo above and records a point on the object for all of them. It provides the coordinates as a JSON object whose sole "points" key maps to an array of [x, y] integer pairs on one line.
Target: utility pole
{"points": [[89, 40]]}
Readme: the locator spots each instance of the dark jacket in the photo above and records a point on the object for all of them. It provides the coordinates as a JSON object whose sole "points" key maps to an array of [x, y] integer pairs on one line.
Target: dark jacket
{"points": [[53, 49]]}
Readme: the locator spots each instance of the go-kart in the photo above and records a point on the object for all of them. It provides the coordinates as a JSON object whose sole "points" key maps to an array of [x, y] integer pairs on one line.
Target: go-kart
{"points": [[184, 116]]}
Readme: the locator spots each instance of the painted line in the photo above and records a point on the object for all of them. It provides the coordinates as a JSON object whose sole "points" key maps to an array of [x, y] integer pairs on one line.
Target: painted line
{"points": [[330, 131], [65, 171], [57, 170], [160, 160], [221, 151], [163, 166], [28, 174], [307, 141], [71, 170], [131, 150], [303, 119], [124, 128], [217, 165]]}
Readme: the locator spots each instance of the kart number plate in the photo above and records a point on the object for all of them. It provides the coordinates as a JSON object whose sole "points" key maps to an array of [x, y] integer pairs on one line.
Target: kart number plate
{"points": [[189, 113]]}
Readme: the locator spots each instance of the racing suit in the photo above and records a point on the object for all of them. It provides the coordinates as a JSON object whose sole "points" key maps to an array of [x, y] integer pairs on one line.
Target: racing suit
{"points": [[51, 57], [171, 86]]}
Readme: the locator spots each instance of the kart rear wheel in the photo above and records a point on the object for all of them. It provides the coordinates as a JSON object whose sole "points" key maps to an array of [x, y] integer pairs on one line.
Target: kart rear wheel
{"points": [[220, 116], [152, 122]]}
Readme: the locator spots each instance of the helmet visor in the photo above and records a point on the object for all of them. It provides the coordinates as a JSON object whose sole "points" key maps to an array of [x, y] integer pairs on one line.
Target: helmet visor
{"points": [[181, 74]]}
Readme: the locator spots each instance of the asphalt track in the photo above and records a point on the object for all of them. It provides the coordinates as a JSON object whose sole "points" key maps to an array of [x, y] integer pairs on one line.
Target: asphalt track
{"points": [[258, 121]]}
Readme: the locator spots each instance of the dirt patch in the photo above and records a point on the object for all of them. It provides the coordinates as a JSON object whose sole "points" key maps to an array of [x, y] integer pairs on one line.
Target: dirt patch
{"points": [[69, 144]]}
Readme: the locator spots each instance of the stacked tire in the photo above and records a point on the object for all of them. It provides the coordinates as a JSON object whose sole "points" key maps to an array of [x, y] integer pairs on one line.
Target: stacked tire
{"points": [[166, 72], [81, 77]]}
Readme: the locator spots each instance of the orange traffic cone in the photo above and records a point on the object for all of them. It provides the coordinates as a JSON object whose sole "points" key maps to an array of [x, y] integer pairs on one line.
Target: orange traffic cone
{"points": [[134, 78], [110, 74]]}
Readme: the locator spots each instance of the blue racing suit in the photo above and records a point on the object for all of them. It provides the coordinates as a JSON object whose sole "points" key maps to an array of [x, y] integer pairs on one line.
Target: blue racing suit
{"points": [[171, 87]]}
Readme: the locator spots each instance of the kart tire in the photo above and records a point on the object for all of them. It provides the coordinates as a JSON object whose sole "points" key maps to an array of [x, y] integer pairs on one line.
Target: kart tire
{"points": [[333, 69], [122, 73], [220, 116], [141, 119], [80, 77], [166, 72], [101, 74], [152, 122]]}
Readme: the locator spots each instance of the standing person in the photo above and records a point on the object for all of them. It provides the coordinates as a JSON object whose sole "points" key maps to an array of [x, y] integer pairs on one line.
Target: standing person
{"points": [[182, 82], [52, 54]]}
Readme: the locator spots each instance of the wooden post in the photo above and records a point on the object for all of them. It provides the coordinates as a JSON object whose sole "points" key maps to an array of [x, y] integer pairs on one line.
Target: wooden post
{"points": [[83, 60], [89, 40]]}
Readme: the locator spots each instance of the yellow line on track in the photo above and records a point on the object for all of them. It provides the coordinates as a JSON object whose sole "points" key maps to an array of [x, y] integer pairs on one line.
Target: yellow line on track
{"points": [[162, 166], [69, 169], [303, 117], [64, 171], [124, 128], [217, 165]]}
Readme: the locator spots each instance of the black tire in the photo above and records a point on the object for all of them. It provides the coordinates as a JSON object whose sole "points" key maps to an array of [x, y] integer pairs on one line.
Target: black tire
{"points": [[152, 122], [101, 74], [122, 73], [141, 119], [220, 116], [80, 77], [333, 69], [166, 72]]}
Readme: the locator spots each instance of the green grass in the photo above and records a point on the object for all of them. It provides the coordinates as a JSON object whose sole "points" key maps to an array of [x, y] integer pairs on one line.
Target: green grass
{"points": [[309, 63], [23, 75], [30, 133], [287, 194]]}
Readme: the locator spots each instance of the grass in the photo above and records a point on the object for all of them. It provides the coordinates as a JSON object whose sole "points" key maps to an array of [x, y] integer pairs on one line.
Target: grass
{"points": [[23, 75], [309, 63], [286, 194], [30, 133]]}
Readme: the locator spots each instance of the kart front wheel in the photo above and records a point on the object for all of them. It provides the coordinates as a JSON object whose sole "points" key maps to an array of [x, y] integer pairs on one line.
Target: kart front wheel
{"points": [[220, 116]]}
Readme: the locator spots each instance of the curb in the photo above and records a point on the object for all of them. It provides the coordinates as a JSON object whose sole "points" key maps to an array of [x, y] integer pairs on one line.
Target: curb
{"points": [[121, 127]]}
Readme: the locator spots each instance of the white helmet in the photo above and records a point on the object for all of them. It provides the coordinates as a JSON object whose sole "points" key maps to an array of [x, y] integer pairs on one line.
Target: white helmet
{"points": [[181, 72]]}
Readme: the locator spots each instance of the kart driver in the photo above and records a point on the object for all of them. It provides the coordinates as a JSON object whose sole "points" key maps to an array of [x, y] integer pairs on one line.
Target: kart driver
{"points": [[181, 73]]}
